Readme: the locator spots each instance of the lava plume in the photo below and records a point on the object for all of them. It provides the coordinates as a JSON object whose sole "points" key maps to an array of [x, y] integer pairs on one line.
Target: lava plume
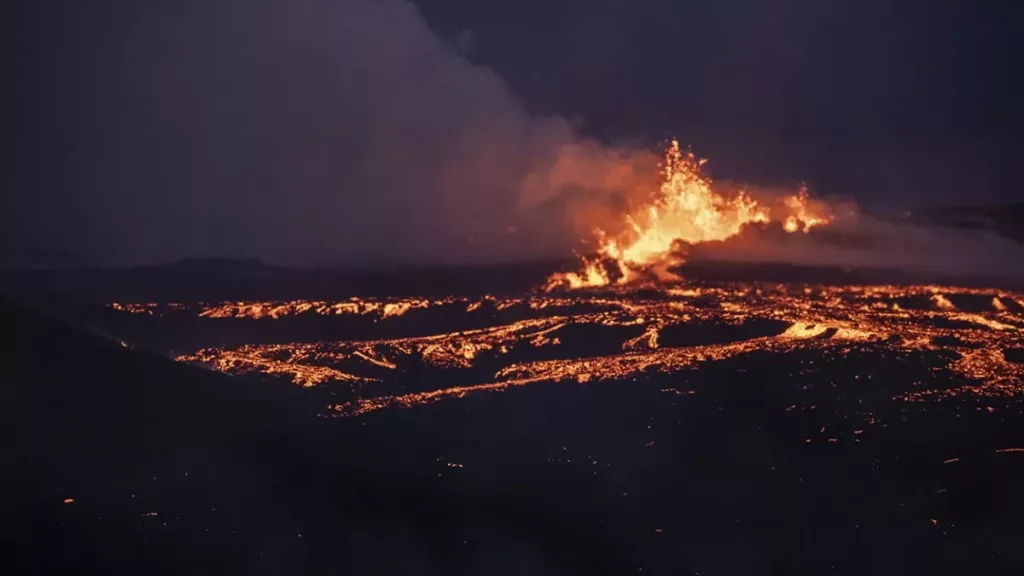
{"points": [[684, 211]]}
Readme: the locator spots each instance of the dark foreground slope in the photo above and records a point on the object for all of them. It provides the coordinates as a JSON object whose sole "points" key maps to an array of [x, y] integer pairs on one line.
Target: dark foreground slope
{"points": [[129, 462], [759, 464]]}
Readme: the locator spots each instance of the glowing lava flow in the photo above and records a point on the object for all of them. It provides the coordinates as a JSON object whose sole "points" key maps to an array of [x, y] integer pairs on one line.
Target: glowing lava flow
{"points": [[944, 341], [685, 211]]}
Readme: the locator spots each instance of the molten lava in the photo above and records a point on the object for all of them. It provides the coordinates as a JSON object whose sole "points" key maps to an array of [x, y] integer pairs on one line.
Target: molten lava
{"points": [[686, 210], [948, 342]]}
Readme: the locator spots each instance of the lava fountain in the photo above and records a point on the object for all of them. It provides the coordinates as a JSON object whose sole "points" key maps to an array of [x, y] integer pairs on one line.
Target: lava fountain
{"points": [[684, 211]]}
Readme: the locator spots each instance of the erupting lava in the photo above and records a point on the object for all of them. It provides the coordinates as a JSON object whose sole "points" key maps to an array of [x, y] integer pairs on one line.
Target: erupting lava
{"points": [[684, 211], [926, 343]]}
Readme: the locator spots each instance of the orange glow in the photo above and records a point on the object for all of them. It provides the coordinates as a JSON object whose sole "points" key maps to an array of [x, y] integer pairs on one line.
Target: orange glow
{"points": [[550, 338], [310, 364], [802, 217], [686, 210], [527, 342], [592, 275], [276, 310]]}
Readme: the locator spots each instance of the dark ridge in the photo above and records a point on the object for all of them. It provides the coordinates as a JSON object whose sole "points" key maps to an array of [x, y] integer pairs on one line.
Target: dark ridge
{"points": [[1002, 219], [215, 280], [122, 433], [130, 463], [72, 290]]}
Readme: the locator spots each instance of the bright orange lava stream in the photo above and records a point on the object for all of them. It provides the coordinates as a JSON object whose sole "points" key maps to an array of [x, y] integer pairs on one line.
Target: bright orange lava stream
{"points": [[952, 341], [685, 211]]}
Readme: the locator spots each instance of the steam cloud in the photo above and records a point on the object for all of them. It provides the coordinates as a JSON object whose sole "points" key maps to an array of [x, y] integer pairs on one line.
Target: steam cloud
{"points": [[855, 239], [300, 131], [309, 130], [862, 241]]}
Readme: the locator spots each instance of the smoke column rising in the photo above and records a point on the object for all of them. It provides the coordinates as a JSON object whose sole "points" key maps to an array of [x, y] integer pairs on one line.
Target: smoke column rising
{"points": [[301, 131], [292, 131]]}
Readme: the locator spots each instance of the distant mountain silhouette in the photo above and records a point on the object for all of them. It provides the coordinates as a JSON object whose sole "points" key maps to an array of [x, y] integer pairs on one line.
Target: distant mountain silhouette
{"points": [[42, 258], [218, 263], [1003, 219]]}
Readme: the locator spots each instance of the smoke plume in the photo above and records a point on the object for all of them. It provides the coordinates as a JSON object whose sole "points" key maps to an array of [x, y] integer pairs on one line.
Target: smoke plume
{"points": [[295, 131], [304, 131], [862, 241]]}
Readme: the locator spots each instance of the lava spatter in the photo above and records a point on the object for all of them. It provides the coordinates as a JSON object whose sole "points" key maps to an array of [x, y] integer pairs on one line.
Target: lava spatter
{"points": [[685, 210]]}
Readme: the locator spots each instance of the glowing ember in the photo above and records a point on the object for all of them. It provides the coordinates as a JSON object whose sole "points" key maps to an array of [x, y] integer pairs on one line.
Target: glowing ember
{"points": [[620, 335], [275, 310], [685, 211]]}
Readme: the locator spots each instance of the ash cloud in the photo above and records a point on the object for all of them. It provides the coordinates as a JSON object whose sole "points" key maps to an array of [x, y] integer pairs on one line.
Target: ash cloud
{"points": [[296, 132], [863, 241], [305, 131]]}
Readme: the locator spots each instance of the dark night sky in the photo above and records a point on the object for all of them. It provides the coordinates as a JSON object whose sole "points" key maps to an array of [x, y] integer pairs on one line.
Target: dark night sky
{"points": [[911, 101], [356, 129]]}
